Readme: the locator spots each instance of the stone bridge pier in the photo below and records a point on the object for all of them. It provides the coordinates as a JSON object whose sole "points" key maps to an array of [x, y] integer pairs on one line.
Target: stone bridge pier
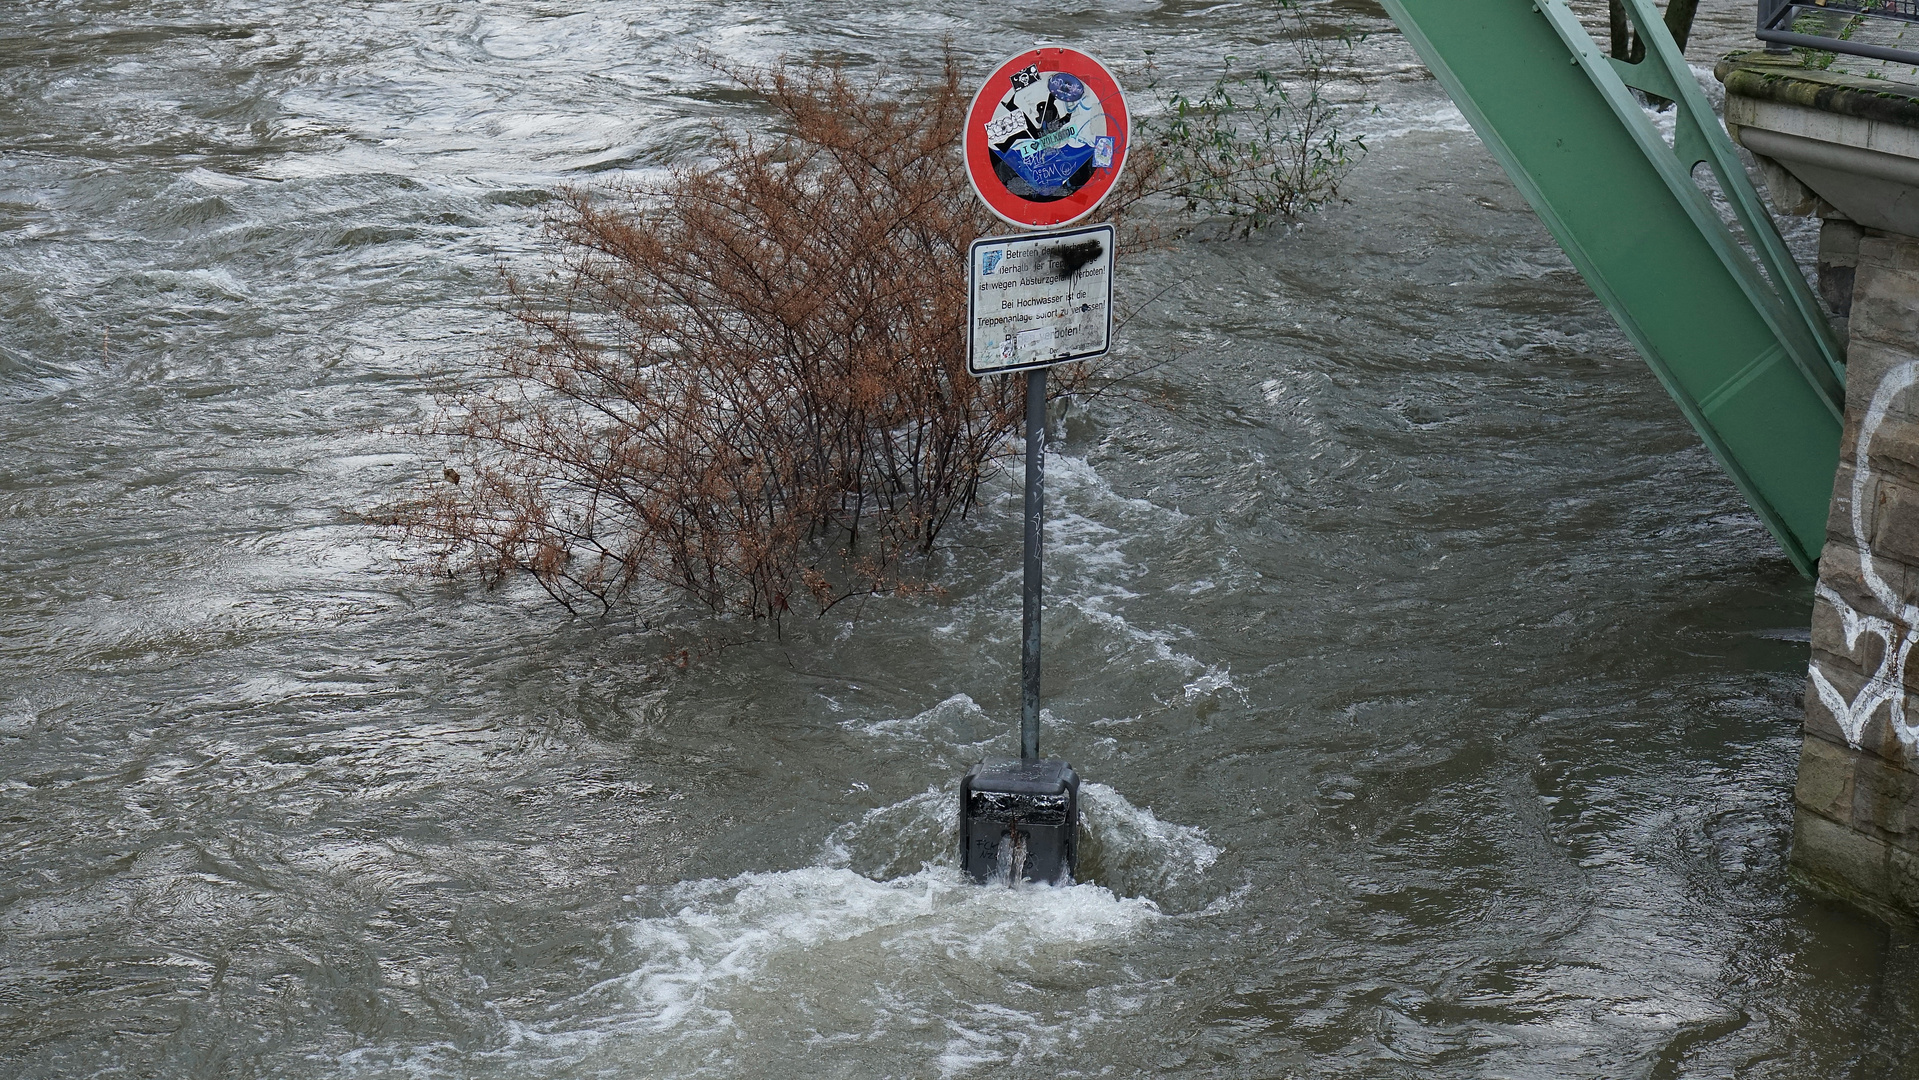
{"points": [[1856, 806], [1843, 142]]}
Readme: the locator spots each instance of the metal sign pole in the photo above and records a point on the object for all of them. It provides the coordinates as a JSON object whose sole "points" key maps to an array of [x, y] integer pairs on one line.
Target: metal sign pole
{"points": [[1053, 121], [1035, 511]]}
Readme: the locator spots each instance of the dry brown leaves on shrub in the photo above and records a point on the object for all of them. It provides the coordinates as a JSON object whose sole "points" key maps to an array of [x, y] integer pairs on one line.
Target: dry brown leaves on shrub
{"points": [[747, 383]]}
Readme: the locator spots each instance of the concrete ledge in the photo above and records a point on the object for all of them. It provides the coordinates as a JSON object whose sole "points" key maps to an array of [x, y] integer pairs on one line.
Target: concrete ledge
{"points": [[1836, 156], [1852, 142], [1786, 81]]}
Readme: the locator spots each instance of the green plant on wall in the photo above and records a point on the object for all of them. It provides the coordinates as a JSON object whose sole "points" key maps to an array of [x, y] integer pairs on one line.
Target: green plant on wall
{"points": [[1824, 24]]}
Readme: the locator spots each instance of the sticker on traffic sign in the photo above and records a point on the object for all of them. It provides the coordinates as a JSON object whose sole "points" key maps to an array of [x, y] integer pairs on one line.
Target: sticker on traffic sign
{"points": [[1046, 137], [1039, 299]]}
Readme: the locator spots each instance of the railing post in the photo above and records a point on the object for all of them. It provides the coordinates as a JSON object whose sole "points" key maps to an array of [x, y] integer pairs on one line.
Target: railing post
{"points": [[1769, 13]]}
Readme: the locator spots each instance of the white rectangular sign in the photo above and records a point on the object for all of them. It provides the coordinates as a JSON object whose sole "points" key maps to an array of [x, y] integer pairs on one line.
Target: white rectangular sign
{"points": [[1039, 299]]}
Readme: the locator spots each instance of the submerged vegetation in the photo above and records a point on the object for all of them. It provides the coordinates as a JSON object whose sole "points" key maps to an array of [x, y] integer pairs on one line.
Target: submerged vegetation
{"points": [[747, 382], [1259, 146], [742, 383]]}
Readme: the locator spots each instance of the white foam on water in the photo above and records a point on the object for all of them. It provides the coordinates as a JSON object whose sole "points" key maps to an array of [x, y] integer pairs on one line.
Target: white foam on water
{"points": [[216, 181], [1124, 848], [916, 833], [1394, 121], [1080, 475], [1215, 681], [1132, 851], [777, 973], [17, 719], [884, 960], [959, 721], [1090, 545]]}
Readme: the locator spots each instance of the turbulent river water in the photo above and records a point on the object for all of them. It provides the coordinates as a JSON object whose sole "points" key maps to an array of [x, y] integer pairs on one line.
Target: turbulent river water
{"points": [[1437, 694]]}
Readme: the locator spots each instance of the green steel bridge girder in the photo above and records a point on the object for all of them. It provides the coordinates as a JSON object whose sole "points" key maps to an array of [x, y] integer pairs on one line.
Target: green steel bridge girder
{"points": [[1731, 329]]}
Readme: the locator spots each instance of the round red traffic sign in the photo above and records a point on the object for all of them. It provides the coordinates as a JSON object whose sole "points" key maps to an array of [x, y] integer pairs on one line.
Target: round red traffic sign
{"points": [[1046, 137]]}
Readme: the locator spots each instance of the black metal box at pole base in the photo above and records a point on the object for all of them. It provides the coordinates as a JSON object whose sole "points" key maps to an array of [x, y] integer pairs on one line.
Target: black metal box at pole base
{"points": [[1019, 820]]}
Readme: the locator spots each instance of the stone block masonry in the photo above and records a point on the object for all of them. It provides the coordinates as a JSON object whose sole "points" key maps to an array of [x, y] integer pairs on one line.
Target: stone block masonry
{"points": [[1839, 137], [1856, 806]]}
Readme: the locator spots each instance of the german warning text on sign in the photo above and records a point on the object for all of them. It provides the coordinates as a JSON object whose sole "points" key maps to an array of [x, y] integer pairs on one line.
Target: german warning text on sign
{"points": [[1039, 299]]}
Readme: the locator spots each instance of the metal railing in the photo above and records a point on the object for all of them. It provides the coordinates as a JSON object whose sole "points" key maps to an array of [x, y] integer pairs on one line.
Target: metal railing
{"points": [[1777, 20]]}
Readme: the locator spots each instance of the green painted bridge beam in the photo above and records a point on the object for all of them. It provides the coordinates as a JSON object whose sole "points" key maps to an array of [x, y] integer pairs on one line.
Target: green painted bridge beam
{"points": [[1729, 327]]}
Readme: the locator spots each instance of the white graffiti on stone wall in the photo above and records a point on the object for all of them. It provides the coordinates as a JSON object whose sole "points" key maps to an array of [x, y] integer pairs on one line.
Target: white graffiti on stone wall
{"points": [[1886, 685]]}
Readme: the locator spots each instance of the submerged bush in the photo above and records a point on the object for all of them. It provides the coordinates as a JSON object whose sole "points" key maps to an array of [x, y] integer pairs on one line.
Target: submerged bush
{"points": [[1259, 146], [747, 383]]}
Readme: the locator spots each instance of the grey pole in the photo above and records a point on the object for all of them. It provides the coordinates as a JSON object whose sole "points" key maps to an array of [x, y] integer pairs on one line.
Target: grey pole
{"points": [[1768, 14], [1035, 508]]}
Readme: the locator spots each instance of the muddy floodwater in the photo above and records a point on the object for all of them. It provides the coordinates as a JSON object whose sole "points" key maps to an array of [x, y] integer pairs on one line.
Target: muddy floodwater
{"points": [[1437, 695]]}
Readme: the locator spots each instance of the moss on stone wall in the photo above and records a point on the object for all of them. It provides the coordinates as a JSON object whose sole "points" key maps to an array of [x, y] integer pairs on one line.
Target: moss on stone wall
{"points": [[1786, 80]]}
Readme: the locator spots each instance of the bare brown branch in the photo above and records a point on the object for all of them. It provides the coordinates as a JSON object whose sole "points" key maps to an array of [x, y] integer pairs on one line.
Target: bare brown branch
{"points": [[747, 384]]}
